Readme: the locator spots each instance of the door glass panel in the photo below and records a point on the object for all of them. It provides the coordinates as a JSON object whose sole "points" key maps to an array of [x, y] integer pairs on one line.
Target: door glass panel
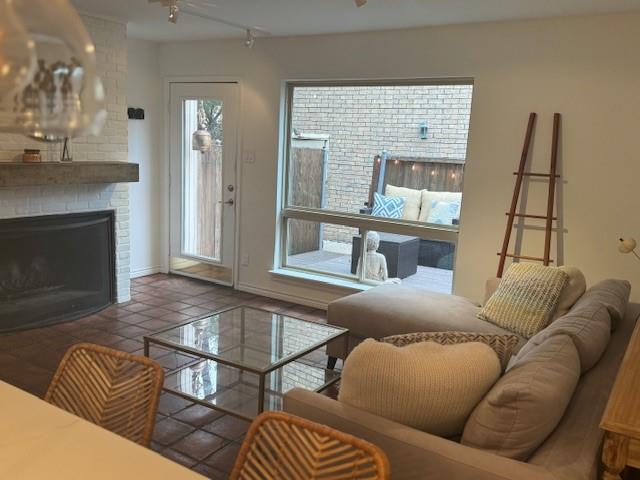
{"points": [[202, 143]]}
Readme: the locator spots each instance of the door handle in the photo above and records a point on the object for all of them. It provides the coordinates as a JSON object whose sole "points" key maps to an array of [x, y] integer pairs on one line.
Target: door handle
{"points": [[229, 202]]}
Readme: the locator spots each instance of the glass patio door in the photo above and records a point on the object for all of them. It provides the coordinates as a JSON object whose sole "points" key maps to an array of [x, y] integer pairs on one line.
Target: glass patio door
{"points": [[203, 124]]}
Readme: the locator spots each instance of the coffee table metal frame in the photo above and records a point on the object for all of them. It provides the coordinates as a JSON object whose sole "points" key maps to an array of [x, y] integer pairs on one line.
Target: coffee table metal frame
{"points": [[262, 373]]}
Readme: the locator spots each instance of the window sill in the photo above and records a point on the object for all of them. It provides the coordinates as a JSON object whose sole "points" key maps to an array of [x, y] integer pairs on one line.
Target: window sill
{"points": [[316, 278]]}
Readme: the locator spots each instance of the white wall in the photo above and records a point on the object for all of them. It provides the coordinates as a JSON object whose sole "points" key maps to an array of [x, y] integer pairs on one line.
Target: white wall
{"points": [[144, 90], [584, 67]]}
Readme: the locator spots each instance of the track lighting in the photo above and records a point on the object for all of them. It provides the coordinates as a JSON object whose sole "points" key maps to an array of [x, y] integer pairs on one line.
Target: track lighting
{"points": [[250, 40], [173, 11]]}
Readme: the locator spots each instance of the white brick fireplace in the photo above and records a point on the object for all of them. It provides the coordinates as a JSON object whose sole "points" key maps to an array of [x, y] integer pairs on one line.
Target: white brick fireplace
{"points": [[110, 39], [58, 199]]}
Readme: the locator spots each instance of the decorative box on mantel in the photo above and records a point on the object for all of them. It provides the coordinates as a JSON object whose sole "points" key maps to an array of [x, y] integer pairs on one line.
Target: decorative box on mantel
{"points": [[37, 189]]}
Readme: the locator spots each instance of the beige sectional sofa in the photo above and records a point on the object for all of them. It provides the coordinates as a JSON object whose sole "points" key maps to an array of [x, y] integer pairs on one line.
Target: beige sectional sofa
{"points": [[570, 452]]}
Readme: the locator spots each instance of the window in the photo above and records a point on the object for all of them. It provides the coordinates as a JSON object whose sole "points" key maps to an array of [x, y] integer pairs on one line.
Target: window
{"points": [[380, 162]]}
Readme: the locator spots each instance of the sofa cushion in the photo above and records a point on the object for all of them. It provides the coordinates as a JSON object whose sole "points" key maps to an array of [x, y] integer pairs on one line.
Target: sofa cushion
{"points": [[413, 200], [526, 404], [429, 197], [425, 385], [613, 294], [572, 291], [588, 325], [502, 344], [392, 309], [525, 299]]}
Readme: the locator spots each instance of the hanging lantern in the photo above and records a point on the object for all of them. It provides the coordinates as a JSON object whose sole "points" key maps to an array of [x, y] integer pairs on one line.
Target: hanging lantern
{"points": [[201, 138], [64, 97]]}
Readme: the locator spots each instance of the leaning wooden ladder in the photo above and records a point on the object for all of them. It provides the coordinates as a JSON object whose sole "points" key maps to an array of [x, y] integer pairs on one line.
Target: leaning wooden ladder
{"points": [[520, 174]]}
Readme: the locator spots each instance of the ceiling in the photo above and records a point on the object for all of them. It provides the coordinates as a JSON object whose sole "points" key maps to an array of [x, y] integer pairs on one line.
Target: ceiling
{"points": [[307, 17]]}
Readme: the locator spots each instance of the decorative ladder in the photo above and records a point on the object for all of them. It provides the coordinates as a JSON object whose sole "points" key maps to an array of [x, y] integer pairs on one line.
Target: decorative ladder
{"points": [[520, 174]]}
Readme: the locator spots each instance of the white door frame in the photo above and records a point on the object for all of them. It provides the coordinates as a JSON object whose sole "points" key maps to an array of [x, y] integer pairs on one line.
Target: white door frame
{"points": [[166, 162]]}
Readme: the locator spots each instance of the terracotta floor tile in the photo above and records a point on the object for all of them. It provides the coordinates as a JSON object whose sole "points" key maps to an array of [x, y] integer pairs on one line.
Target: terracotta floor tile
{"points": [[170, 404], [175, 317], [196, 311], [128, 345], [168, 431], [177, 306], [135, 319], [225, 458], [155, 324], [136, 307], [228, 427], [178, 457], [132, 331], [199, 444], [210, 472], [198, 415]]}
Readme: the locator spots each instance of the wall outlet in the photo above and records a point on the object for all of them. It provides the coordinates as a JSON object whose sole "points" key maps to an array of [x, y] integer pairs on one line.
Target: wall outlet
{"points": [[250, 156], [244, 260]]}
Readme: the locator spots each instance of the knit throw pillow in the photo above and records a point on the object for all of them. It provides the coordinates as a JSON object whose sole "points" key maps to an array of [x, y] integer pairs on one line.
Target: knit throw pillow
{"points": [[526, 298], [503, 345], [389, 207], [427, 386]]}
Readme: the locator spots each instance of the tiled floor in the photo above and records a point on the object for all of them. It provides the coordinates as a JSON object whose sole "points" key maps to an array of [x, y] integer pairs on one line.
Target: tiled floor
{"points": [[190, 434]]}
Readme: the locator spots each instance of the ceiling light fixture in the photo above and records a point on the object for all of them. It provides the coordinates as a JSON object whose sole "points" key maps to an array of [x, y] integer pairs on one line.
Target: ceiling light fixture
{"points": [[173, 11], [360, 3], [250, 40]]}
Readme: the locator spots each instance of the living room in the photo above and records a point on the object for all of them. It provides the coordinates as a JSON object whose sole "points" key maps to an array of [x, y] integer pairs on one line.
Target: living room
{"points": [[233, 166]]}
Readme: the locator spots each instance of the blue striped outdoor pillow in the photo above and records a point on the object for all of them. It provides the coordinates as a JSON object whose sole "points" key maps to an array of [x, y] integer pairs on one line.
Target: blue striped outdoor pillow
{"points": [[389, 207]]}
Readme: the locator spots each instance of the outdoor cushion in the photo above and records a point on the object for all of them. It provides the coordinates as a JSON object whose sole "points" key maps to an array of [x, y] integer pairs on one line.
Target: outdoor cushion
{"points": [[389, 207], [526, 298], [425, 385], [413, 200], [429, 197], [528, 401], [443, 213]]}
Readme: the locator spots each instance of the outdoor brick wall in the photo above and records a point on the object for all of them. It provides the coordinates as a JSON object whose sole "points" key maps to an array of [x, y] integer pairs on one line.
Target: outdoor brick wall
{"points": [[110, 39], [361, 122]]}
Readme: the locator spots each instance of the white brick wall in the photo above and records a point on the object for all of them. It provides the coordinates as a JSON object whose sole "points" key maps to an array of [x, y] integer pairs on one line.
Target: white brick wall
{"points": [[110, 39]]}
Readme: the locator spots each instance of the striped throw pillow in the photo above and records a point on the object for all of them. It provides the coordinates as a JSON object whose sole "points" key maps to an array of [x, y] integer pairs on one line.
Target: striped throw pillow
{"points": [[526, 298], [389, 207]]}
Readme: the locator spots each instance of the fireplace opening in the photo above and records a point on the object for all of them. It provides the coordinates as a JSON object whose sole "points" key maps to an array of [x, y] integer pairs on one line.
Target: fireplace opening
{"points": [[55, 268]]}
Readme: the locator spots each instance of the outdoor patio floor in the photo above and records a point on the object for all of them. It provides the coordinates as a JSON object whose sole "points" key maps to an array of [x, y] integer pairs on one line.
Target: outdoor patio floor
{"points": [[434, 279]]}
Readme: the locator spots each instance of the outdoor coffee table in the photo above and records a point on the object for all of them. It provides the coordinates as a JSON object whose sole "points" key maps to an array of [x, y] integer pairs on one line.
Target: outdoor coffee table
{"points": [[246, 359]]}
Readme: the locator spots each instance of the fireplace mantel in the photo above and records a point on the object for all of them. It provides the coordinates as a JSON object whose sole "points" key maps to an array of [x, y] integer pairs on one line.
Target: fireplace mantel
{"points": [[66, 173]]}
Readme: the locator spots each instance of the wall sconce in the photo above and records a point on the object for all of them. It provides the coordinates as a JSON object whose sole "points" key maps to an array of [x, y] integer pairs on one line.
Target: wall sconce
{"points": [[424, 130]]}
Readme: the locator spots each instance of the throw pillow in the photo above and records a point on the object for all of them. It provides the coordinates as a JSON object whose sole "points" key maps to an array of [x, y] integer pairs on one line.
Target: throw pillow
{"points": [[526, 298], [503, 345], [573, 290], [571, 293], [426, 386], [389, 207], [443, 213], [414, 199], [429, 197], [528, 401]]}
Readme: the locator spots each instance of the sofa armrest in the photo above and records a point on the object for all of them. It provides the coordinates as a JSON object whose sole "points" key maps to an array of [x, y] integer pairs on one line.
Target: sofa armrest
{"points": [[412, 454]]}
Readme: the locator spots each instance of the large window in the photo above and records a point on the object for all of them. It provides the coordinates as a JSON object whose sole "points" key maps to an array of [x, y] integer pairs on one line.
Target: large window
{"points": [[379, 162]]}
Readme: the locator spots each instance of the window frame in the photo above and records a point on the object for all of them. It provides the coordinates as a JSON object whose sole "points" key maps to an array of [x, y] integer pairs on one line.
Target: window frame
{"points": [[363, 222]]}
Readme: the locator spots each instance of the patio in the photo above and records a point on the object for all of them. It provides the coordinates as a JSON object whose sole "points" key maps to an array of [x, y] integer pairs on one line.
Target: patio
{"points": [[434, 279]]}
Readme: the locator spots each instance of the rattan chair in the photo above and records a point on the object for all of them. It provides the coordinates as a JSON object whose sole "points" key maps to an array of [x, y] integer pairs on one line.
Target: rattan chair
{"points": [[115, 390], [280, 446]]}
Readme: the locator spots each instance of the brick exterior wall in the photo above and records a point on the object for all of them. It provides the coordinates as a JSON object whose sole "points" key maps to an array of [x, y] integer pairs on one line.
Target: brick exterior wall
{"points": [[361, 122], [110, 39]]}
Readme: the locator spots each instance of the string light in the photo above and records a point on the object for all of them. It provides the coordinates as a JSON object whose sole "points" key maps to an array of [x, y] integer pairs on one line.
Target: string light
{"points": [[433, 172], [413, 167]]}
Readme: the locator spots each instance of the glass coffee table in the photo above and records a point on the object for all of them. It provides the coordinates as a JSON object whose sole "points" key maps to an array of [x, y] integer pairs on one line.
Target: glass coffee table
{"points": [[246, 359]]}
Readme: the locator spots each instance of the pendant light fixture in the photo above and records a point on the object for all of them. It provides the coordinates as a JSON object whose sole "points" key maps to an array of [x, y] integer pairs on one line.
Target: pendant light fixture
{"points": [[63, 96]]}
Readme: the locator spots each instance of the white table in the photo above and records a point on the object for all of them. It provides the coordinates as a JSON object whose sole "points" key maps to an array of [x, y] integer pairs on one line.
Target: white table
{"points": [[39, 441]]}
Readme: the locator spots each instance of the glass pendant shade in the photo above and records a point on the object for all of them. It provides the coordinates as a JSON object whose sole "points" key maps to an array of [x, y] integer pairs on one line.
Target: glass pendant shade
{"points": [[17, 53], [64, 96]]}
